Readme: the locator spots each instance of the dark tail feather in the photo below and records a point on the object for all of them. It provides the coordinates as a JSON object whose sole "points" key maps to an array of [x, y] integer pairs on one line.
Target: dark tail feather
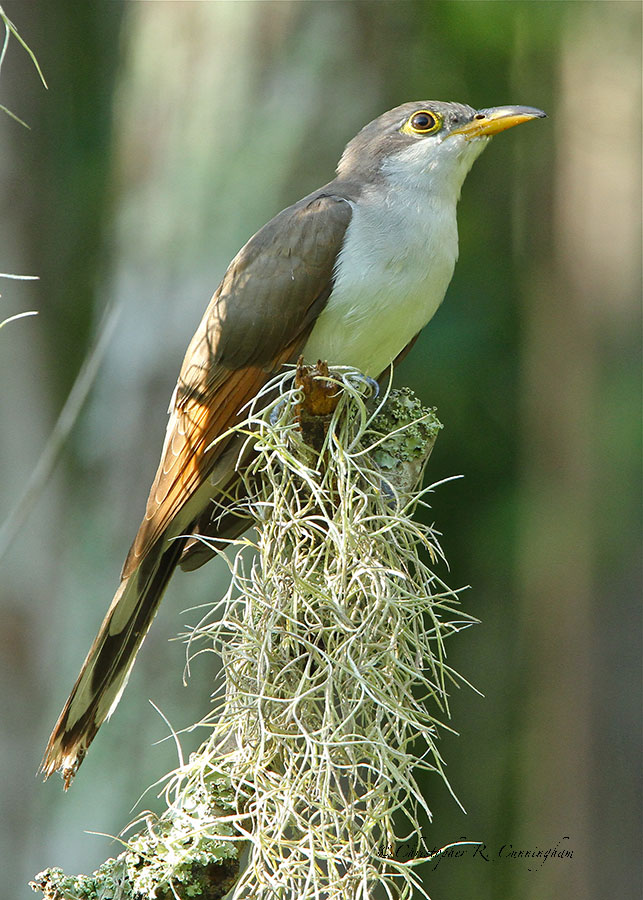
{"points": [[109, 662]]}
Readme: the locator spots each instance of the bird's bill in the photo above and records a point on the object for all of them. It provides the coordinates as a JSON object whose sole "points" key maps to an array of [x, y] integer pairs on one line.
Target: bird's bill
{"points": [[487, 122]]}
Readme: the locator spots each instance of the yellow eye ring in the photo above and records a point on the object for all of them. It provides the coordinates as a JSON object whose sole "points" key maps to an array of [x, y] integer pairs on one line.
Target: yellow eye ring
{"points": [[423, 121]]}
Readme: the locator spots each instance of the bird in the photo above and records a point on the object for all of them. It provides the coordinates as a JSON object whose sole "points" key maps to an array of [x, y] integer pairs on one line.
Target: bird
{"points": [[349, 275]]}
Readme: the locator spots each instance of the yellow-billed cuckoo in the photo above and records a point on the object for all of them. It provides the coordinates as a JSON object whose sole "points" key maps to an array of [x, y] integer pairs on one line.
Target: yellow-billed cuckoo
{"points": [[350, 274]]}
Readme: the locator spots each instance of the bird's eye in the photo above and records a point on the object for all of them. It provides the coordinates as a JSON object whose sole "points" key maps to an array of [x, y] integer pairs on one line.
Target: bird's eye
{"points": [[422, 122]]}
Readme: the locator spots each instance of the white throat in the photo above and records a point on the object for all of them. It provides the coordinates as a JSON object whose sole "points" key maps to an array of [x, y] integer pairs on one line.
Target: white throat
{"points": [[397, 259]]}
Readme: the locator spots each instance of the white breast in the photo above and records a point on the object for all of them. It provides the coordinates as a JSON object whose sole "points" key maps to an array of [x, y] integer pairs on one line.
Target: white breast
{"points": [[392, 273]]}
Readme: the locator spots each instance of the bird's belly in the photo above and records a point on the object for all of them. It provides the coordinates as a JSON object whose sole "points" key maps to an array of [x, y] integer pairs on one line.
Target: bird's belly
{"points": [[369, 320]]}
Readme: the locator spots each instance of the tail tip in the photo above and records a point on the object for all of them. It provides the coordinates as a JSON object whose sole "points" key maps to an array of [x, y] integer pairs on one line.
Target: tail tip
{"points": [[67, 763]]}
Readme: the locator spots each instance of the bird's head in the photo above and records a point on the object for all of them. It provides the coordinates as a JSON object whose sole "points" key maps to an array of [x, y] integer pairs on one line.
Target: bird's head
{"points": [[428, 143]]}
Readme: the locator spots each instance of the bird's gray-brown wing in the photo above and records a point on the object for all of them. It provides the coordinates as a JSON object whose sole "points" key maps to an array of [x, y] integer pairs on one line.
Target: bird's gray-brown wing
{"points": [[258, 319]]}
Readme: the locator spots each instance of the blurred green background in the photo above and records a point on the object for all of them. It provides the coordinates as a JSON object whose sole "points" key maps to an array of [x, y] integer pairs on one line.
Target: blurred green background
{"points": [[170, 132]]}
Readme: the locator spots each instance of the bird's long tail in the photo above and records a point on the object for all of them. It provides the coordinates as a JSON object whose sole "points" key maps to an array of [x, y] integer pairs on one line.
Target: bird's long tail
{"points": [[109, 662]]}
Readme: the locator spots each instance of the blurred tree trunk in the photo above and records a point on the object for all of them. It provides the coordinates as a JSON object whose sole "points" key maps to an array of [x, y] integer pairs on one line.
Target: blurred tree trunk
{"points": [[54, 194], [578, 313]]}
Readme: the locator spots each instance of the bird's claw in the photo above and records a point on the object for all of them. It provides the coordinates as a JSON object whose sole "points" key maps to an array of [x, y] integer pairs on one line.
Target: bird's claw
{"points": [[372, 383], [276, 411]]}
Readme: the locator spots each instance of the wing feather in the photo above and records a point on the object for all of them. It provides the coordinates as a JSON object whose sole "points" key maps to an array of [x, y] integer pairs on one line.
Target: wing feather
{"points": [[258, 319]]}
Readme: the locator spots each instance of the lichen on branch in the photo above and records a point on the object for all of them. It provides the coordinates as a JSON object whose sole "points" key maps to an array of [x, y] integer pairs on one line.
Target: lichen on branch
{"points": [[336, 682]]}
